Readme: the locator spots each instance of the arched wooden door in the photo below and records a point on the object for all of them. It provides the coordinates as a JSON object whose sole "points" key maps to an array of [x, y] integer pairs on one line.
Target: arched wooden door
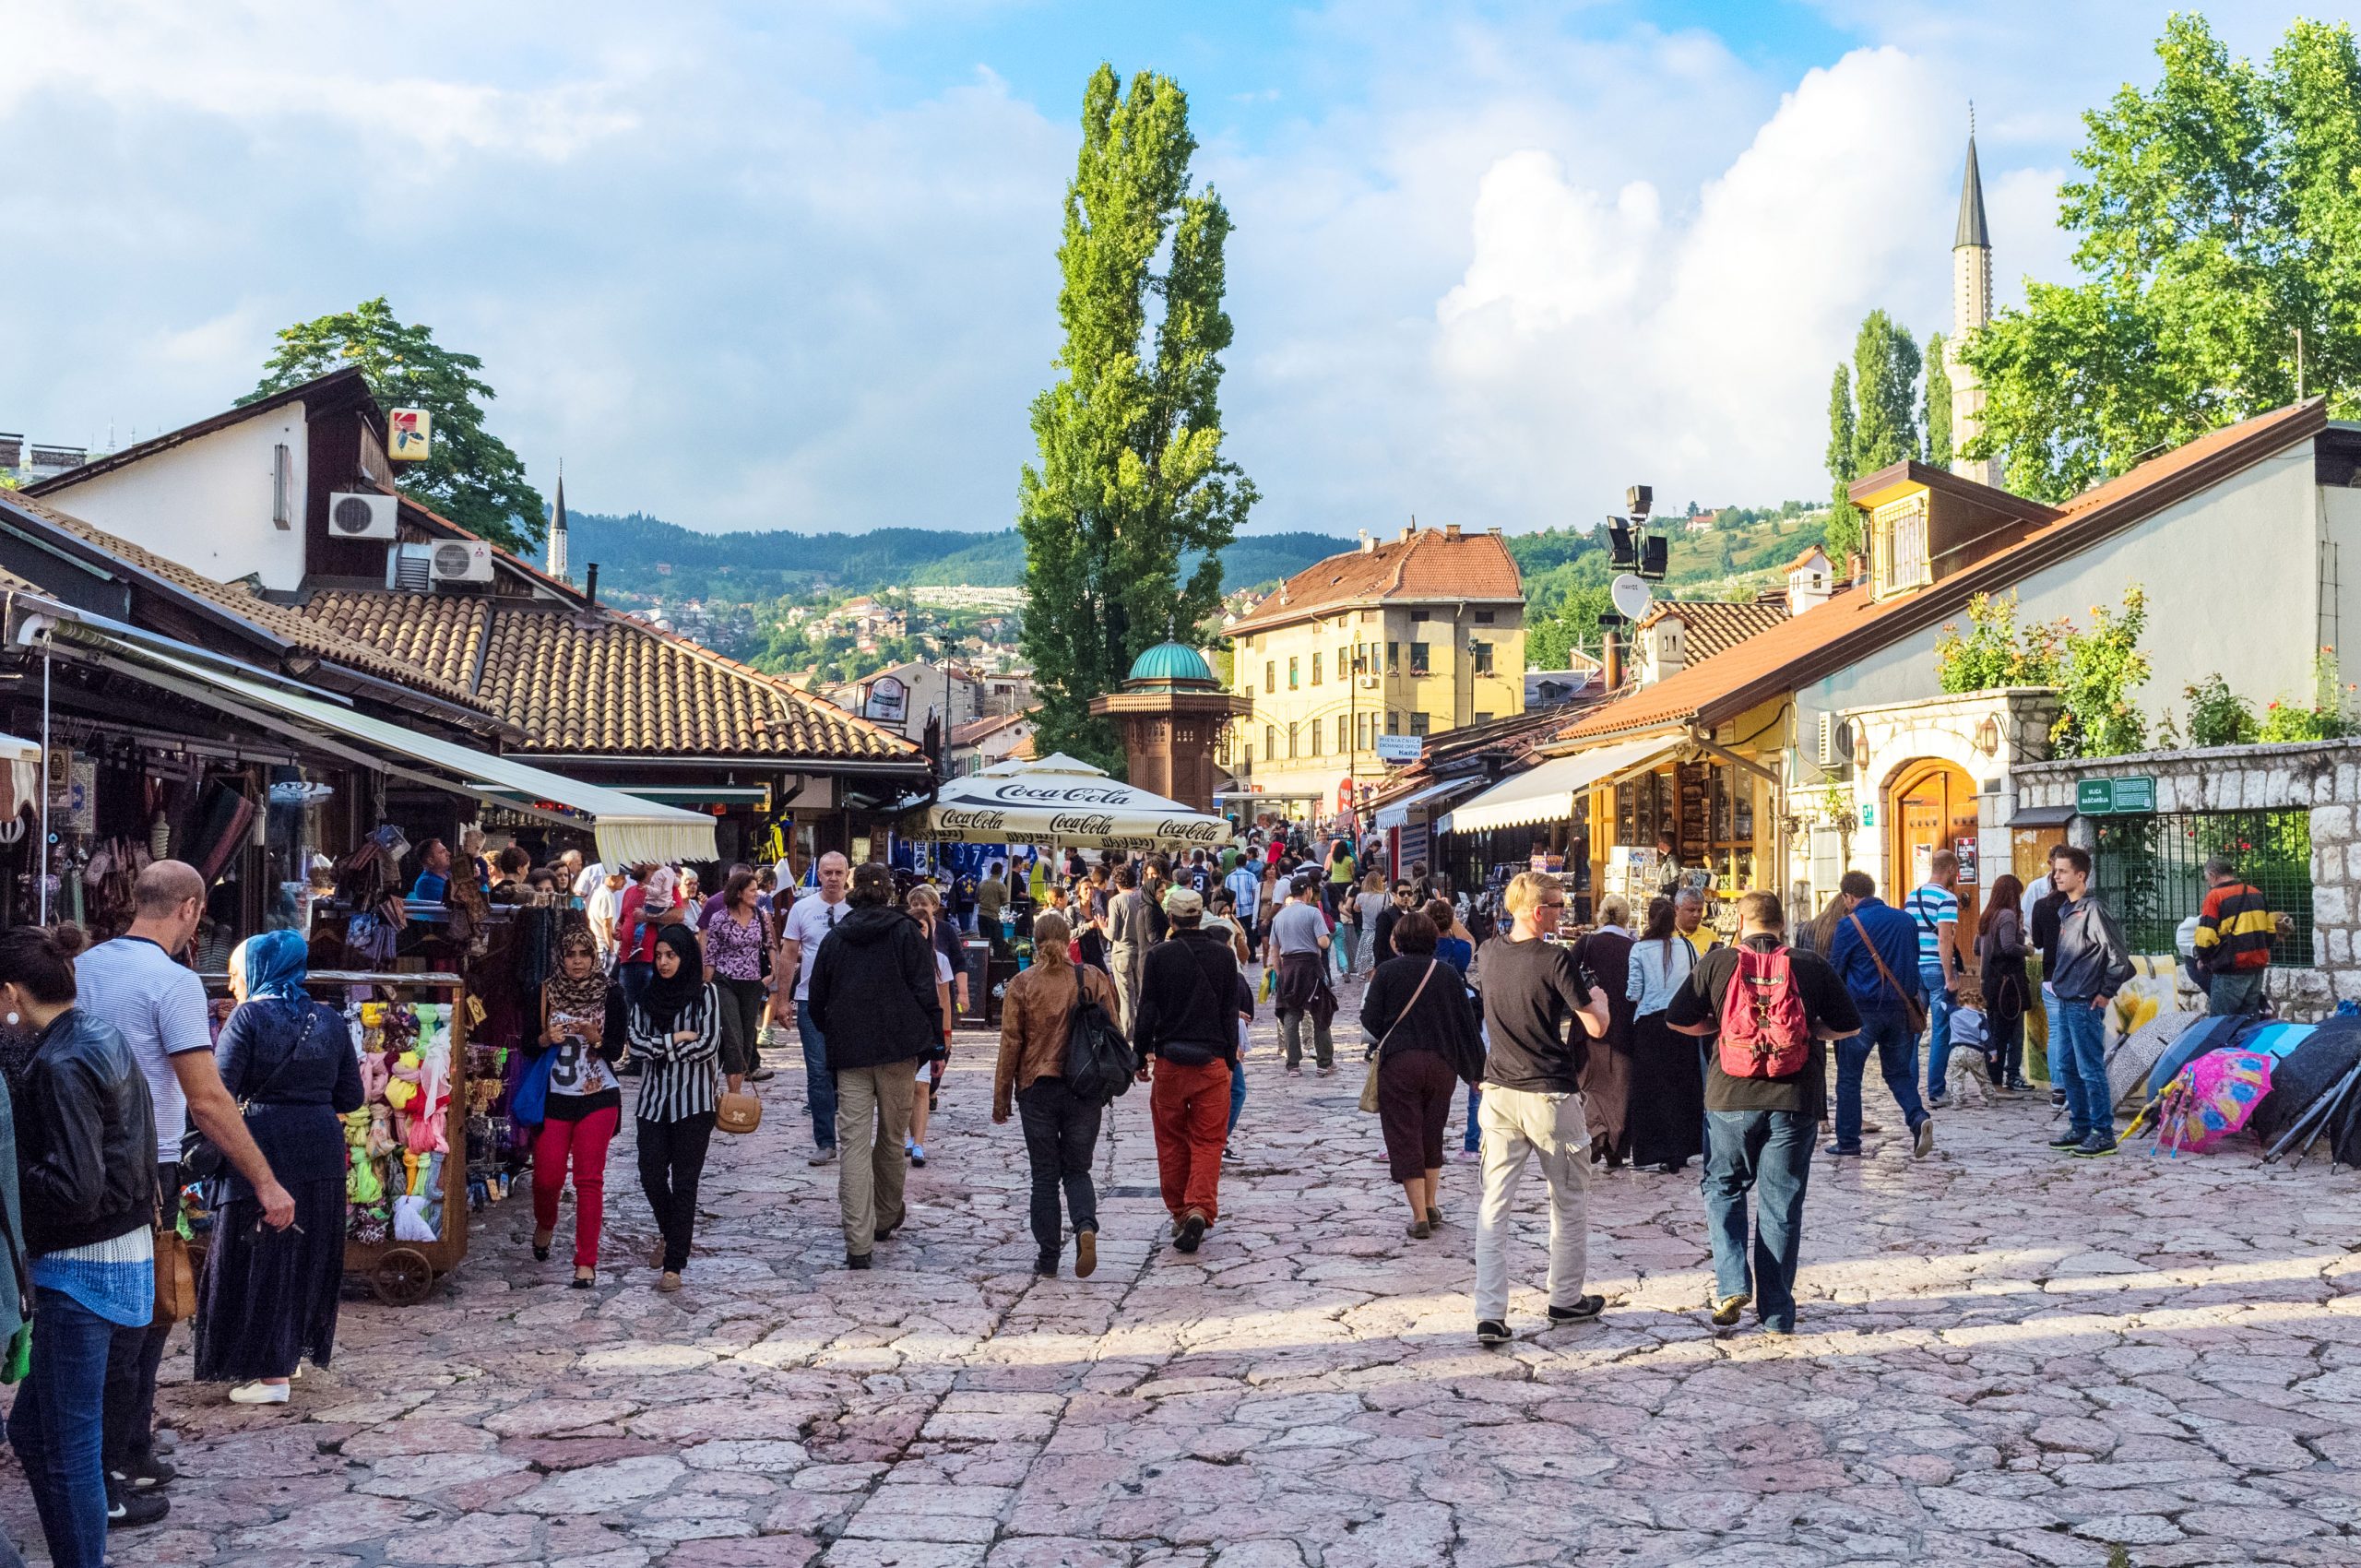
{"points": [[1932, 806]]}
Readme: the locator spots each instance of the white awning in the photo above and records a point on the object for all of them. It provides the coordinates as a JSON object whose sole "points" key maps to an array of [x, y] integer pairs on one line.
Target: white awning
{"points": [[628, 830], [1548, 793], [1397, 813], [1060, 800]]}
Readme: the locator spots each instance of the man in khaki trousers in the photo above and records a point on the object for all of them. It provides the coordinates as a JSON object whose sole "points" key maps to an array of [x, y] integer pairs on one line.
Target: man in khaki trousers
{"points": [[874, 999]]}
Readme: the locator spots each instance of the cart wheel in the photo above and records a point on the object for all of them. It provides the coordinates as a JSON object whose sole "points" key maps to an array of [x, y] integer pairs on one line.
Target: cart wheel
{"points": [[402, 1277]]}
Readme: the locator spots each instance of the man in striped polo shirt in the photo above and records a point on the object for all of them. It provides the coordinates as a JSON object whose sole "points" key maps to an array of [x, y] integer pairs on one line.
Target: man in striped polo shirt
{"points": [[1934, 910], [2235, 927]]}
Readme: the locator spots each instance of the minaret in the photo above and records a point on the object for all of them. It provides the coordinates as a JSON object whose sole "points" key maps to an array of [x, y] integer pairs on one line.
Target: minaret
{"points": [[1971, 310], [557, 528]]}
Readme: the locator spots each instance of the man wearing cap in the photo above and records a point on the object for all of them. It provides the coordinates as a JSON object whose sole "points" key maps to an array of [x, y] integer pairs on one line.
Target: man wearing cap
{"points": [[1185, 1028]]}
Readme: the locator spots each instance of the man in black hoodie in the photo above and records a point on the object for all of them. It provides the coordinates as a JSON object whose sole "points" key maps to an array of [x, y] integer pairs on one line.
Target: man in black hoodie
{"points": [[1184, 1026], [874, 1002]]}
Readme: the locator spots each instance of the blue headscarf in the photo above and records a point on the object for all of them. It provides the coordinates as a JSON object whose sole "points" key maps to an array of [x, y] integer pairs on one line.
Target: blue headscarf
{"points": [[275, 963]]}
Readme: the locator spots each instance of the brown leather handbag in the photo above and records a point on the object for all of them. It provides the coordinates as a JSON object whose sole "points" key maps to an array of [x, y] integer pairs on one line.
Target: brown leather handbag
{"points": [[738, 1112], [175, 1279]]}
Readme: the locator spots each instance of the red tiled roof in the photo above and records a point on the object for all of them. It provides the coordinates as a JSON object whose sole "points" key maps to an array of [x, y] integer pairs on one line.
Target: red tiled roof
{"points": [[975, 729], [1429, 565], [1851, 625], [1715, 626]]}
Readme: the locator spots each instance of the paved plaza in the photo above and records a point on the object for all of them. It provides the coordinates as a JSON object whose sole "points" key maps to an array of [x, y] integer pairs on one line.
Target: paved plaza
{"points": [[2003, 1357]]}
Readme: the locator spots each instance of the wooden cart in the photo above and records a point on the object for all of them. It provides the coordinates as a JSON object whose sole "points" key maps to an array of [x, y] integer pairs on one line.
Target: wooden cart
{"points": [[403, 1272]]}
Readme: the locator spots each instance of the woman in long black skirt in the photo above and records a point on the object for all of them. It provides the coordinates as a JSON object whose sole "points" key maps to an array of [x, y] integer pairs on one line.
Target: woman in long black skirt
{"points": [[1668, 1083], [270, 1297]]}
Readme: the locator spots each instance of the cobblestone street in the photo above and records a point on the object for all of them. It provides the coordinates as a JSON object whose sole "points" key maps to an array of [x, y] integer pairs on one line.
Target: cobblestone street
{"points": [[2003, 1357]]}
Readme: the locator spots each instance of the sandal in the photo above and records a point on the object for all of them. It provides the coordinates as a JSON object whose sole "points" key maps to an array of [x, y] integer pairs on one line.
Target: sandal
{"points": [[585, 1277]]}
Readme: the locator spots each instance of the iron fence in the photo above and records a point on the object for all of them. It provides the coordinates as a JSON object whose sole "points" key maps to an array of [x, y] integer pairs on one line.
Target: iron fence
{"points": [[2151, 871]]}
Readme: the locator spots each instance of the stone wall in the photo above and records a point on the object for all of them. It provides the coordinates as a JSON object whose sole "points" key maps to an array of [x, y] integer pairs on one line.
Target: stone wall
{"points": [[2324, 777]]}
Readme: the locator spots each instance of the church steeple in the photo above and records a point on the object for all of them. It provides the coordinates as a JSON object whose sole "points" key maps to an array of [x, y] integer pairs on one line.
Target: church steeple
{"points": [[557, 528], [1970, 313]]}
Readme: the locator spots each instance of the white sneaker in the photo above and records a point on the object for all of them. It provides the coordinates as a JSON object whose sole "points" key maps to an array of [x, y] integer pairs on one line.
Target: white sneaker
{"points": [[259, 1394]]}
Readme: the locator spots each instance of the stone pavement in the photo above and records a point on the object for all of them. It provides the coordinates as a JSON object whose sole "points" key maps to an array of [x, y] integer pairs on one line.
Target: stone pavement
{"points": [[2003, 1357]]}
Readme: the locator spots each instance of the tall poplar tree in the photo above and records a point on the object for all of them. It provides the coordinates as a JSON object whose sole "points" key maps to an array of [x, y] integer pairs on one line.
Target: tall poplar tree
{"points": [[1936, 408], [1844, 517], [1885, 377], [1131, 477]]}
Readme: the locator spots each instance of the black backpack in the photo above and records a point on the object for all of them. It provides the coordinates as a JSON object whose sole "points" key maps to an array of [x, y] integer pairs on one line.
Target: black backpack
{"points": [[1100, 1063]]}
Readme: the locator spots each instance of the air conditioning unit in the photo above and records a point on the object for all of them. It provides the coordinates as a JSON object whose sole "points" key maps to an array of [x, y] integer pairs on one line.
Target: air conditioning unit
{"points": [[361, 514], [462, 560], [410, 568], [1835, 742]]}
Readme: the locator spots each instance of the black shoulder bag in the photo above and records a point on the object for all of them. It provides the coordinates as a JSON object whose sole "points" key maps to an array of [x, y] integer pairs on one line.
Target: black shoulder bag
{"points": [[201, 1158]]}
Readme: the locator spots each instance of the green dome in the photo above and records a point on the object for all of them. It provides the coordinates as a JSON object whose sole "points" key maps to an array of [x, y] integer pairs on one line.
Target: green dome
{"points": [[1172, 661]]}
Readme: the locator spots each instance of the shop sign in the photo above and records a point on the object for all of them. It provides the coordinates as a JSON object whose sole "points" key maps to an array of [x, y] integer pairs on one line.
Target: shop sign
{"points": [[1966, 850], [409, 434], [2134, 796], [889, 700], [1401, 748], [1869, 813]]}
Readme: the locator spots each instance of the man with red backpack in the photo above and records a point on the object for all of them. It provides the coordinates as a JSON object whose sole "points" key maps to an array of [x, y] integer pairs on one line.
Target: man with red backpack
{"points": [[1766, 1090]]}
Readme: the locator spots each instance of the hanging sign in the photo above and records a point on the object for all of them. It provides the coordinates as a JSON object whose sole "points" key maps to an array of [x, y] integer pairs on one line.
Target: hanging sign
{"points": [[889, 700], [1401, 748], [409, 434], [2132, 796]]}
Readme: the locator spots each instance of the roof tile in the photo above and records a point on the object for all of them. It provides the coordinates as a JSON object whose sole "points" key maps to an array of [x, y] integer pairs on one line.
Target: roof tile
{"points": [[1431, 564]]}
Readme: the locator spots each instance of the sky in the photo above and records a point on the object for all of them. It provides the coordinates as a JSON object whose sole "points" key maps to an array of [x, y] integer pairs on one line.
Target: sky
{"points": [[793, 265]]}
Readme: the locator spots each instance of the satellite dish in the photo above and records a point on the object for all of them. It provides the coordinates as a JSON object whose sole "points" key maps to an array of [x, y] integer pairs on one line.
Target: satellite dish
{"points": [[1630, 596]]}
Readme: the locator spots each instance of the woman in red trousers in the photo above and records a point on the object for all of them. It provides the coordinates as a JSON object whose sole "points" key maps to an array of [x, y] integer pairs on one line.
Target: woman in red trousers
{"points": [[585, 1102]]}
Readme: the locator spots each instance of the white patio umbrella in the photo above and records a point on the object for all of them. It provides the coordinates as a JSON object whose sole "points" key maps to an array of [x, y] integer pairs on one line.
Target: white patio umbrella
{"points": [[1063, 799]]}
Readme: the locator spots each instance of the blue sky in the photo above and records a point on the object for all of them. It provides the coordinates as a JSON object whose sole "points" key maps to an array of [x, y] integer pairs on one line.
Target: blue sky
{"points": [[791, 266]]}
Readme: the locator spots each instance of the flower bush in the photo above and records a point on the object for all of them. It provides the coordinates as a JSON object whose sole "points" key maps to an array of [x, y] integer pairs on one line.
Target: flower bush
{"points": [[2218, 716], [2326, 718]]}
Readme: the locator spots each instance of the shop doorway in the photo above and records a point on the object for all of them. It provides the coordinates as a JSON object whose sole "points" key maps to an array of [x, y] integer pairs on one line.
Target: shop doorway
{"points": [[1932, 806]]}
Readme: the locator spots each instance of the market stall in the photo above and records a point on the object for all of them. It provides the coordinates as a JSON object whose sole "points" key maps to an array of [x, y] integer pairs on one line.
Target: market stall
{"points": [[1063, 800]]}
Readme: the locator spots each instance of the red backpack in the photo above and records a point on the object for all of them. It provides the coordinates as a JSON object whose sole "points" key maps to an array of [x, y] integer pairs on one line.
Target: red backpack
{"points": [[1765, 1031]]}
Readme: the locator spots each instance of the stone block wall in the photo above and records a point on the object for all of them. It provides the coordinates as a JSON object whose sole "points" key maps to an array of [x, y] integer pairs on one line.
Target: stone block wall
{"points": [[2321, 776]]}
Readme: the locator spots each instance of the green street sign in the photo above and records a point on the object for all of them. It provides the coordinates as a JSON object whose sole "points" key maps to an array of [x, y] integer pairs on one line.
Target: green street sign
{"points": [[2134, 796]]}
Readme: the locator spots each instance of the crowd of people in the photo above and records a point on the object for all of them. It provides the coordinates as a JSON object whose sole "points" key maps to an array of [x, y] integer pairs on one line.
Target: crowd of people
{"points": [[1610, 1047]]}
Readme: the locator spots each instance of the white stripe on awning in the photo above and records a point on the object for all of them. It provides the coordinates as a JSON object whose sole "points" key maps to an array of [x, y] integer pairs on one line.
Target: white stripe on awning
{"points": [[1548, 793], [628, 830], [1397, 813]]}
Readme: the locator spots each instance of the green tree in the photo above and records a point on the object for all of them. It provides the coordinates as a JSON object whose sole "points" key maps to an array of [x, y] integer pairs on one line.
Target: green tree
{"points": [[471, 477], [1550, 639], [1936, 407], [1885, 374], [1130, 476], [1844, 517], [2218, 214]]}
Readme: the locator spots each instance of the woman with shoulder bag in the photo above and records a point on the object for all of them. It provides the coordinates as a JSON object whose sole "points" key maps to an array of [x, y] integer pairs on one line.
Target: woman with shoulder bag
{"points": [[1667, 1100], [2000, 958], [1061, 1129], [675, 1028], [732, 944], [585, 1104], [269, 1297], [950, 987], [1424, 1044]]}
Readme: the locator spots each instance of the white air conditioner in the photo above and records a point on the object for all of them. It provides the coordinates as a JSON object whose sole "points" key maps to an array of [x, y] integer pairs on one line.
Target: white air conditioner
{"points": [[462, 560], [1837, 744], [1827, 739], [362, 514]]}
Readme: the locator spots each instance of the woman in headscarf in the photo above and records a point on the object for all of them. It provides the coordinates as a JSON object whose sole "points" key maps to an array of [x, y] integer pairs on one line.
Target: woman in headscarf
{"points": [[270, 1297], [675, 1029], [1668, 1102], [585, 1105], [1607, 1072]]}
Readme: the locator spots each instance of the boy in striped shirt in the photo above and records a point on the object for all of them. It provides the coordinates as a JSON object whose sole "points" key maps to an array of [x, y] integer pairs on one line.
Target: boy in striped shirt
{"points": [[1934, 910]]}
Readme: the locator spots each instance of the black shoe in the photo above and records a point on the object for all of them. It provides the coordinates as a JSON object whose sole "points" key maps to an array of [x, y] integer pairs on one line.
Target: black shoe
{"points": [[145, 1475], [1045, 1266], [884, 1232], [2067, 1140], [1842, 1152], [129, 1510], [1585, 1310], [762, 1074], [1492, 1330], [856, 1260], [2097, 1146], [2057, 1097], [1192, 1232]]}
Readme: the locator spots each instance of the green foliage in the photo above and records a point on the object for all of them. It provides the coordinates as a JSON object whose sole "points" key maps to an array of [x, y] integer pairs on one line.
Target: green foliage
{"points": [[1937, 406], [1549, 638], [471, 477], [1885, 374], [2217, 716], [1131, 478], [1844, 517], [1993, 653], [2218, 214], [2097, 671], [2327, 717]]}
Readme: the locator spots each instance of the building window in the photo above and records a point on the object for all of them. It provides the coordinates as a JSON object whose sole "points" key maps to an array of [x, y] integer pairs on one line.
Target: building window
{"points": [[1418, 615], [282, 487], [1481, 718], [1291, 751], [1898, 546], [1482, 654], [1270, 742], [1343, 664], [1293, 672], [1314, 737], [1418, 722], [1270, 674], [1419, 663], [1341, 747], [1484, 617], [1393, 722], [1316, 658], [1392, 658]]}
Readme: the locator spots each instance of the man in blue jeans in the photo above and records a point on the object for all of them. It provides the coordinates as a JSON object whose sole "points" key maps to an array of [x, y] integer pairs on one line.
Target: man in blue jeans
{"points": [[806, 927], [1760, 1129], [1934, 913], [2092, 963], [1876, 945]]}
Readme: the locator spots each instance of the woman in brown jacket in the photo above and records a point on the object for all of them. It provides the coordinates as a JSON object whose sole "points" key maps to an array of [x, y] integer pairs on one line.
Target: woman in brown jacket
{"points": [[1060, 1131]]}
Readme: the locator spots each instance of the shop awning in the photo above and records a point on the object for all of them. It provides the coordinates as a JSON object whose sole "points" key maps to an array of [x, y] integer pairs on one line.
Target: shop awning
{"points": [[2042, 816], [1061, 799], [23, 758], [628, 830], [1397, 813], [1548, 793]]}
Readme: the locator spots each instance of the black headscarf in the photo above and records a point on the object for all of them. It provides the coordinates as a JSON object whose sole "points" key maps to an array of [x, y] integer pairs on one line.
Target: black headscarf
{"points": [[665, 1000]]}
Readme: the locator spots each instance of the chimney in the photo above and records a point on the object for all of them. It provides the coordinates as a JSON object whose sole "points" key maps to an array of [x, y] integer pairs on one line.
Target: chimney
{"points": [[1857, 567], [1451, 531], [590, 582], [1369, 545], [1406, 535], [1808, 584], [1662, 649], [1611, 659]]}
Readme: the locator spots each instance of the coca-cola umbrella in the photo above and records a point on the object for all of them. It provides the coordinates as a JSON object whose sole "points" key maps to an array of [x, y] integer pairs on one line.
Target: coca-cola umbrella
{"points": [[1063, 799]]}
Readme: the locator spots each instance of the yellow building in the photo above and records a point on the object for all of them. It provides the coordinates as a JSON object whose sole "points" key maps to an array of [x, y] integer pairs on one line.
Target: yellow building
{"points": [[1416, 636]]}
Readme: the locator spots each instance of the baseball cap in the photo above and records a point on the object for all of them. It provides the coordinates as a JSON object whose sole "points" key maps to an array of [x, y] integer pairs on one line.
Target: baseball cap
{"points": [[1182, 902]]}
